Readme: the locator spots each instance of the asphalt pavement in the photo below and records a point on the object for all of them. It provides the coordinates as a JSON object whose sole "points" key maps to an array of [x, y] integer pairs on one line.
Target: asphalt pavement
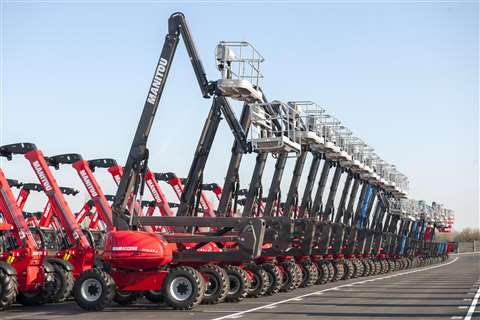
{"points": [[444, 291]]}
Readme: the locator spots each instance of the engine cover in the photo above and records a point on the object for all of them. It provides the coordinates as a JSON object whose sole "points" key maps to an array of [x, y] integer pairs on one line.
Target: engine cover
{"points": [[136, 250]]}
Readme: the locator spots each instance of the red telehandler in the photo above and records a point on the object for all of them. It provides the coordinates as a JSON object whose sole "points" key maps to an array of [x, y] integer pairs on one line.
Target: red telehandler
{"points": [[75, 253], [24, 267]]}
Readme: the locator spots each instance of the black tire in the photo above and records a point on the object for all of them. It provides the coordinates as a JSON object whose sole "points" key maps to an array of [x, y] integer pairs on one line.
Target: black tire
{"points": [[63, 283], [40, 296], [289, 276], [408, 263], [8, 289], [378, 266], [298, 275], [94, 290], [392, 266], [217, 283], [384, 266], [359, 268], [239, 284], [183, 288], [367, 267], [339, 271], [349, 268], [309, 272], [331, 270], [373, 267], [260, 281], [154, 296], [124, 298], [275, 278], [322, 272]]}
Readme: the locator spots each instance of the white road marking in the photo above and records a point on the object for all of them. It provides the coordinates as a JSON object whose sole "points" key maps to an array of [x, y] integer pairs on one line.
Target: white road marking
{"points": [[241, 313], [471, 310], [462, 307], [271, 307], [456, 317], [462, 253]]}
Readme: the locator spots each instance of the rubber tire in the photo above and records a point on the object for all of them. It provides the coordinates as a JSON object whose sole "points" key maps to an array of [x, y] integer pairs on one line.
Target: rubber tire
{"points": [[223, 284], [298, 275], [63, 283], [384, 266], [349, 268], [243, 282], [198, 288], [366, 267], [125, 298], [392, 266], [260, 282], [309, 274], [331, 270], [373, 267], [108, 290], [289, 276], [154, 296], [41, 296], [359, 268], [275, 278], [322, 272], [339, 270], [400, 264], [378, 267], [8, 289]]}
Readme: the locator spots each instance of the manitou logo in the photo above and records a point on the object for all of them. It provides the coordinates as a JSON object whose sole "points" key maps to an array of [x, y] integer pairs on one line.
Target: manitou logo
{"points": [[157, 81], [115, 248], [203, 204], [46, 212], [177, 189], [154, 192], [42, 176], [88, 183]]}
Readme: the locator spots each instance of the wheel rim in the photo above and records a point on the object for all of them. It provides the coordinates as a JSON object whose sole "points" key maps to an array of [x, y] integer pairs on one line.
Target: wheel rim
{"points": [[234, 284], [181, 288], [91, 290], [212, 285]]}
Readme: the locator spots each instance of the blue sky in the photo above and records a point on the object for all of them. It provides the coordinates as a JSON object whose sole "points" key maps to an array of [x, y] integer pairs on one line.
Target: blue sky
{"points": [[402, 76]]}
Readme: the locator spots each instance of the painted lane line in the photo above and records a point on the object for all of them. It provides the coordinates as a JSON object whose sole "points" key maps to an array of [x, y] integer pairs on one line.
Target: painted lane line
{"points": [[456, 317], [241, 313], [471, 310], [462, 307]]}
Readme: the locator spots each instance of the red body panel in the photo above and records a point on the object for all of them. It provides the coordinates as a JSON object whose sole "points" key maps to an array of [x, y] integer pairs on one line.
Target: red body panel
{"points": [[134, 250]]}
